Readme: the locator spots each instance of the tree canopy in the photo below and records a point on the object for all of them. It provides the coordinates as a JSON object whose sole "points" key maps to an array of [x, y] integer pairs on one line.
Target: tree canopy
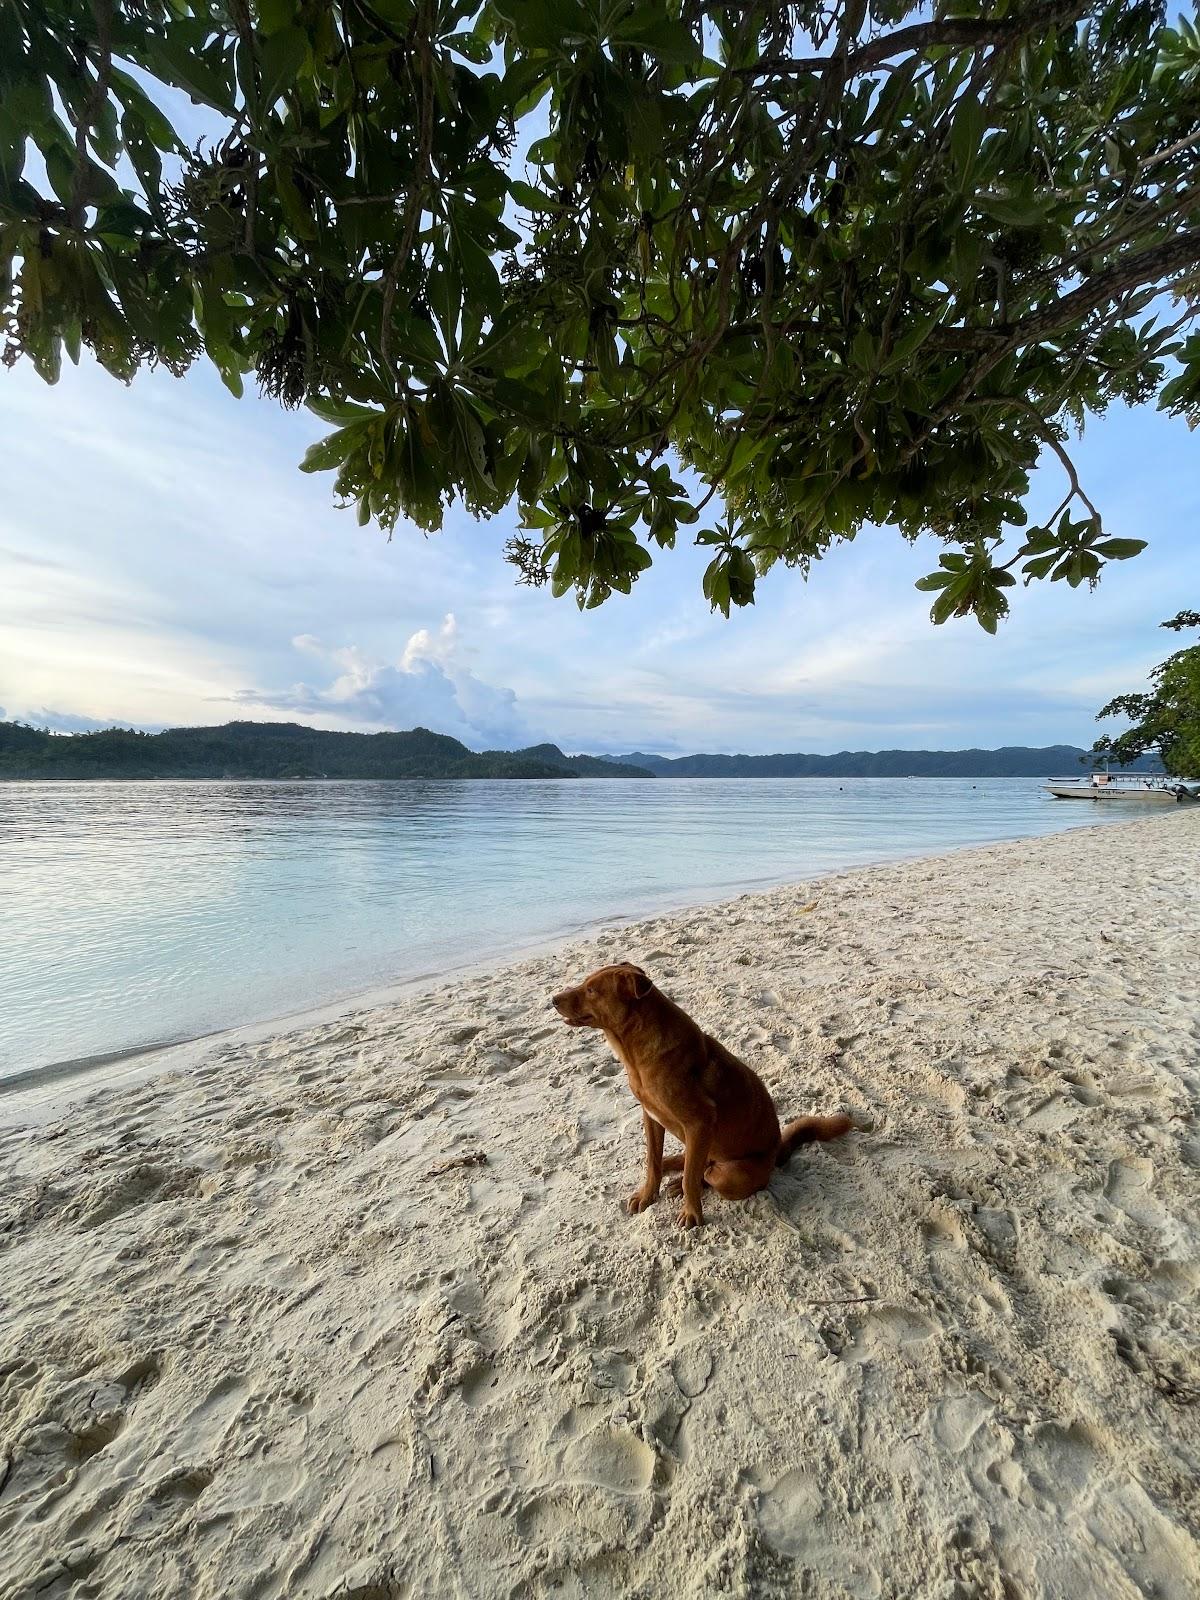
{"points": [[846, 262], [1167, 718]]}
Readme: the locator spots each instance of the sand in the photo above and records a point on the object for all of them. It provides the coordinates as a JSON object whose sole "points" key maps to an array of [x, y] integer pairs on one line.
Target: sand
{"points": [[356, 1311]]}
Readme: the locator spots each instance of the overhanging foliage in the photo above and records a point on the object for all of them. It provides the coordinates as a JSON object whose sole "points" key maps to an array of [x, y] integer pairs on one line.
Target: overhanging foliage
{"points": [[848, 263]]}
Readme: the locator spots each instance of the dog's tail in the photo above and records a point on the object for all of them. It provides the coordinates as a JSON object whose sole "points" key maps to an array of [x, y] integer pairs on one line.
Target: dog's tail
{"points": [[805, 1129]]}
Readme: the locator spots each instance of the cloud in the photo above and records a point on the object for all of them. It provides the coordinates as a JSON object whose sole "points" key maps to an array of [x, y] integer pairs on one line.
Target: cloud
{"points": [[430, 686], [74, 722], [180, 560], [21, 558]]}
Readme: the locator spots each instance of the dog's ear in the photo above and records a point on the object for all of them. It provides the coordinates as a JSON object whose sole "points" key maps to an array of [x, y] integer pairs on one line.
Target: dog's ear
{"points": [[636, 983]]}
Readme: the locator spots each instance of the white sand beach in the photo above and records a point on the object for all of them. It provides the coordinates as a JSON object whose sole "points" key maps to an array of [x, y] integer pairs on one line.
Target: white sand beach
{"points": [[357, 1310]]}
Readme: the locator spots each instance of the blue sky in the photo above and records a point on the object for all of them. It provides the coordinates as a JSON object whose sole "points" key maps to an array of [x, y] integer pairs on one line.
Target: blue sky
{"points": [[163, 561]]}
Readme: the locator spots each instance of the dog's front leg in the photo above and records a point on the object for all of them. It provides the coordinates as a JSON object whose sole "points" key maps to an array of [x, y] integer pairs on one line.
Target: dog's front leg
{"points": [[648, 1193], [696, 1142]]}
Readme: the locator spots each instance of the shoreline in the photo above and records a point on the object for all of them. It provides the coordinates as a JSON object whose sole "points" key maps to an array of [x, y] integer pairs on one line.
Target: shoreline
{"points": [[36, 1094], [356, 1310]]}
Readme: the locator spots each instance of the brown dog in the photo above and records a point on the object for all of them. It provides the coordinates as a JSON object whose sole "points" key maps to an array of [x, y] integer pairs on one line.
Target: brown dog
{"points": [[691, 1086]]}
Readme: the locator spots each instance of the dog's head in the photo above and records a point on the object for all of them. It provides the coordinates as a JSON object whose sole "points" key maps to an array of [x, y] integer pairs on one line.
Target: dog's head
{"points": [[605, 998]]}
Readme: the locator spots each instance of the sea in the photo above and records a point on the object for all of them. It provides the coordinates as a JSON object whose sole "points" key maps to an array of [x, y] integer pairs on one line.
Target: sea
{"points": [[134, 915]]}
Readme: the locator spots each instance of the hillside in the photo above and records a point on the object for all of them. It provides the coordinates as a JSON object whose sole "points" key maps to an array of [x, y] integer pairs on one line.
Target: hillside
{"points": [[1012, 761], [288, 750], [278, 750], [579, 766]]}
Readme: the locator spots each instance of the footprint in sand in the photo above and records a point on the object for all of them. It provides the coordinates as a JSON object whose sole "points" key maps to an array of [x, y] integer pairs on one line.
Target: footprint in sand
{"points": [[460, 1033], [612, 1459], [1059, 1462], [692, 1370], [138, 1185], [171, 1498], [943, 1229], [109, 1406], [954, 1422], [790, 1517], [1128, 1188], [882, 1332], [1053, 1112], [999, 1234]]}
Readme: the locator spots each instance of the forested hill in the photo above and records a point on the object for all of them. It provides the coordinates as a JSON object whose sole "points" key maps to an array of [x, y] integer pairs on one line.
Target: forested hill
{"points": [[279, 750], [288, 750], [1013, 761]]}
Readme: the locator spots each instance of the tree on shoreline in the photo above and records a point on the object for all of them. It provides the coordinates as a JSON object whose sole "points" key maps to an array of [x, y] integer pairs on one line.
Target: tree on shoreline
{"points": [[1167, 719], [846, 262]]}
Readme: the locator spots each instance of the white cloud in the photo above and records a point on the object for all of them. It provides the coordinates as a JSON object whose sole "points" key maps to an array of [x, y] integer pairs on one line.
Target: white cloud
{"points": [[430, 686], [179, 555], [75, 722]]}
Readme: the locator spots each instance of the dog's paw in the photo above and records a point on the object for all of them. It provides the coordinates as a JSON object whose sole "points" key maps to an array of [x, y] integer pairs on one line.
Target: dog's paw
{"points": [[688, 1218], [640, 1199]]}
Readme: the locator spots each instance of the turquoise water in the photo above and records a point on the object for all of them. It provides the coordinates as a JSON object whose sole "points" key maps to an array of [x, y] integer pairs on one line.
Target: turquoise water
{"points": [[139, 913]]}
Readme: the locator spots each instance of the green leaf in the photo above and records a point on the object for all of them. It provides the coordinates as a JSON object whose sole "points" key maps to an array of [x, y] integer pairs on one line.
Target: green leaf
{"points": [[911, 338], [332, 451], [227, 365], [1120, 549], [1040, 565], [862, 350], [469, 45], [1022, 207], [183, 66], [273, 15], [143, 155], [662, 37], [340, 412], [532, 199], [943, 607], [966, 135], [281, 56], [413, 338]]}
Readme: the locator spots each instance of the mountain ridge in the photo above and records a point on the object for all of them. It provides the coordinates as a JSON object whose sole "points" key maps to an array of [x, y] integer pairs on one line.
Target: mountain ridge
{"points": [[237, 750], [290, 750], [1007, 761]]}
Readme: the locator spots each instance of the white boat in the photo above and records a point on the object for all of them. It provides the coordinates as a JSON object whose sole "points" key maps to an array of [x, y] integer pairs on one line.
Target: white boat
{"points": [[1154, 787]]}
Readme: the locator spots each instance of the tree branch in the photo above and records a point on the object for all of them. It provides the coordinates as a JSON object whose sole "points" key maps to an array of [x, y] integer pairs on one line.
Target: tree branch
{"points": [[967, 33], [1160, 261], [422, 183], [1047, 435], [89, 116]]}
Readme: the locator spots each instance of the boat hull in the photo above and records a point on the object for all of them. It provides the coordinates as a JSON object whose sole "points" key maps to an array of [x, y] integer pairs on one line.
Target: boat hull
{"points": [[1089, 791]]}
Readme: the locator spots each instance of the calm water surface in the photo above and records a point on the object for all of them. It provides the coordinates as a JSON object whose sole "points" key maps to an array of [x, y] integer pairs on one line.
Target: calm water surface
{"points": [[136, 913]]}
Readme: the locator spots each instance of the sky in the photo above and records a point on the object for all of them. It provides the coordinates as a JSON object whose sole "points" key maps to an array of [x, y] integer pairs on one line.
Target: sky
{"points": [[163, 562]]}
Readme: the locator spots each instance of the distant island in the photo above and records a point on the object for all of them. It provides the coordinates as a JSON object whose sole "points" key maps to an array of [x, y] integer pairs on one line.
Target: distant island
{"points": [[280, 750], [1012, 761], [289, 750]]}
